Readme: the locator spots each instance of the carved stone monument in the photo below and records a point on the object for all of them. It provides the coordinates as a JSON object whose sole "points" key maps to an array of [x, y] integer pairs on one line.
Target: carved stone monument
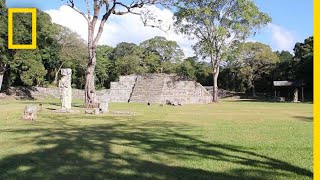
{"points": [[65, 90], [104, 105], [296, 95]]}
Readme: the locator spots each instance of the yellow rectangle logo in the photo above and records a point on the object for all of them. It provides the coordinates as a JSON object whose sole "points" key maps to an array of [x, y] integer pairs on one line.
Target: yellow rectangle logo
{"points": [[33, 45]]}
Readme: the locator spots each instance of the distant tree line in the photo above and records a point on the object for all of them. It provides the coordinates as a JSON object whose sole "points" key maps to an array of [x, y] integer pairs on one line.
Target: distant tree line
{"points": [[57, 47], [257, 67], [251, 67]]}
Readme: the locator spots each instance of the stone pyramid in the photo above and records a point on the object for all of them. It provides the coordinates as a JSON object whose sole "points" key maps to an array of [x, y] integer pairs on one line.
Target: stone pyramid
{"points": [[158, 88]]}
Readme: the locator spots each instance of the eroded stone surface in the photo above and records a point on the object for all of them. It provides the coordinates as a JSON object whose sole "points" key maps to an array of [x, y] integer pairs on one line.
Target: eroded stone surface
{"points": [[104, 107], [121, 91], [30, 113], [158, 88], [65, 89], [296, 95]]}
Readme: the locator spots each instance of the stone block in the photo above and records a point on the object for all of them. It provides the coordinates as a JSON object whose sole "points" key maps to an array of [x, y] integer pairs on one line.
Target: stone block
{"points": [[30, 113]]}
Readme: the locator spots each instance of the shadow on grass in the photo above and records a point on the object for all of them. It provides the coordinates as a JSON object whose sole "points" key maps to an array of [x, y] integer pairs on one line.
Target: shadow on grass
{"points": [[252, 100], [304, 118], [266, 101], [144, 151], [58, 104], [52, 109]]}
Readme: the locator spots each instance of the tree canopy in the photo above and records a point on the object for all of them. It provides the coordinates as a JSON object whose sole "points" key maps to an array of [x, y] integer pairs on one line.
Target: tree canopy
{"points": [[218, 26], [256, 59], [246, 66]]}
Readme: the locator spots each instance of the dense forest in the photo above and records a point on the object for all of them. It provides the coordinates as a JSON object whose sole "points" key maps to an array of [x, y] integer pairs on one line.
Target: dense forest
{"points": [[251, 68]]}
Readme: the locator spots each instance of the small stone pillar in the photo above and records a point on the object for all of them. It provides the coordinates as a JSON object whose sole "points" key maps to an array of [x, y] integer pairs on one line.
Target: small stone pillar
{"points": [[30, 113], [104, 107], [104, 104], [65, 90], [296, 95]]}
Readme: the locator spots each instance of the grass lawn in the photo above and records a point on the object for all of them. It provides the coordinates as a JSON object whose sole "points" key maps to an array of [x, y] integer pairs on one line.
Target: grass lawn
{"points": [[228, 140]]}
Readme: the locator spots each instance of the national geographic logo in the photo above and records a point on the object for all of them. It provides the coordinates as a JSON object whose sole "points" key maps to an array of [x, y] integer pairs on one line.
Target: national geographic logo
{"points": [[33, 12]]}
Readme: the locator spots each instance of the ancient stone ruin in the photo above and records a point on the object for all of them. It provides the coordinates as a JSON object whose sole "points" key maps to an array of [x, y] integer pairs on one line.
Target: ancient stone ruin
{"points": [[65, 90], [158, 88], [30, 113], [103, 104]]}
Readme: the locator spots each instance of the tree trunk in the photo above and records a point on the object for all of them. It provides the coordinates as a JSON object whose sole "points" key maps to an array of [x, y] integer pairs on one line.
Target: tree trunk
{"points": [[234, 82], [251, 85], [55, 81], [254, 95], [89, 89], [161, 69], [1, 79], [89, 86], [215, 87], [215, 69], [56, 75]]}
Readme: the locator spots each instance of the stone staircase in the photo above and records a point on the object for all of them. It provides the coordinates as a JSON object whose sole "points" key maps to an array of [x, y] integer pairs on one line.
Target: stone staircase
{"points": [[148, 88], [158, 88]]}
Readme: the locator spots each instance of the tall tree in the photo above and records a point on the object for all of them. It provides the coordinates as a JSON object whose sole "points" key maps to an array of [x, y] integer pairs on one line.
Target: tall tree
{"points": [[128, 58], [21, 35], [107, 8], [193, 69], [285, 69], [3, 62], [104, 69], [151, 61], [257, 59], [303, 57], [218, 26], [3, 40], [28, 66], [71, 49], [169, 51], [32, 64], [284, 56], [187, 70]]}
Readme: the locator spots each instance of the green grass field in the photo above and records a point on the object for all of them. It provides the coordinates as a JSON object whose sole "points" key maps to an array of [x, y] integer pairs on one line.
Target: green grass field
{"points": [[228, 140]]}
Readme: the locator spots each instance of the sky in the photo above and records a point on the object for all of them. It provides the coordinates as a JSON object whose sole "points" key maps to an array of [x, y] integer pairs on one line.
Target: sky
{"points": [[292, 21]]}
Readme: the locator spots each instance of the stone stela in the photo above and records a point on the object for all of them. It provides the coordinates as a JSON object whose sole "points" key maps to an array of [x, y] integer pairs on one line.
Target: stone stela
{"points": [[65, 90]]}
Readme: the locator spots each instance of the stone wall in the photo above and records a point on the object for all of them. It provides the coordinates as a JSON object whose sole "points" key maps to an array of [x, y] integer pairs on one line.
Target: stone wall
{"points": [[40, 93], [121, 91], [153, 88], [189, 92], [221, 92]]}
